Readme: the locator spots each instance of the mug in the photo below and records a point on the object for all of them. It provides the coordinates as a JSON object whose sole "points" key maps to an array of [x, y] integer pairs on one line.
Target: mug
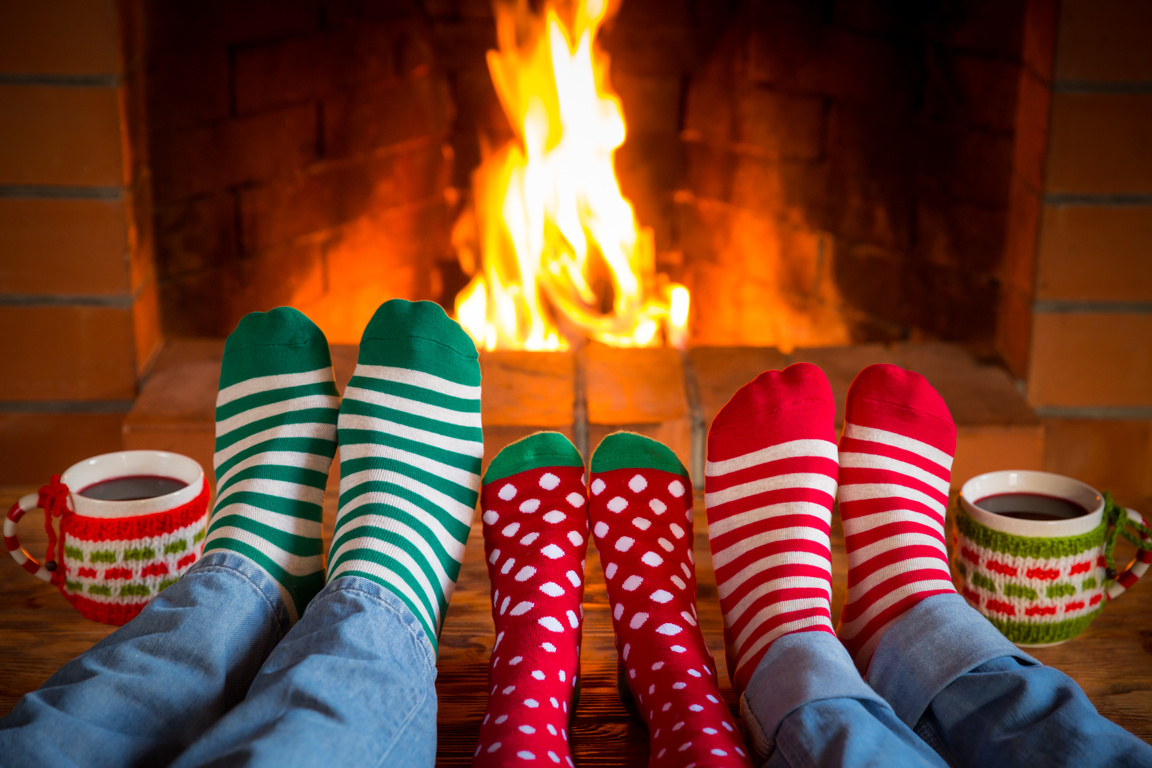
{"points": [[112, 556], [1041, 581]]}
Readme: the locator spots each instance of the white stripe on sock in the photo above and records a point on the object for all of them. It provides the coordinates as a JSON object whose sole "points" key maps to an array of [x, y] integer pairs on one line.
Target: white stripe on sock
{"points": [[472, 448], [418, 379], [390, 577], [775, 632], [395, 525], [314, 431], [295, 565], [731, 584], [886, 463], [851, 629], [823, 449], [858, 525], [864, 554], [264, 383], [376, 497], [279, 488], [869, 491], [244, 418], [813, 480], [462, 512], [408, 565], [896, 440], [732, 616], [294, 459], [460, 477], [728, 554], [414, 407], [778, 609], [876, 578], [734, 522]]}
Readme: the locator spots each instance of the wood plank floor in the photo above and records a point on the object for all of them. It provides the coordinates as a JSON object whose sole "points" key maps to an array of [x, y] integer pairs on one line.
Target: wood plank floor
{"points": [[39, 631]]}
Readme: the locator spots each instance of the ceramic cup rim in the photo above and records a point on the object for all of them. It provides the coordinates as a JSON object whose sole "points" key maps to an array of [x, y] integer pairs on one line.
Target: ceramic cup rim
{"points": [[1032, 481], [135, 462]]}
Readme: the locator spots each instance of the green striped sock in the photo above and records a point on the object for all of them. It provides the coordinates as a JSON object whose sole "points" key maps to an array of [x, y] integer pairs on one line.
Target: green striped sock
{"points": [[410, 449], [275, 439]]}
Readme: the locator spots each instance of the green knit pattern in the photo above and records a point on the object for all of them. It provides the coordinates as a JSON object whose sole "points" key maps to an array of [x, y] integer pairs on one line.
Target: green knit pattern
{"points": [[275, 438], [1020, 546], [410, 449]]}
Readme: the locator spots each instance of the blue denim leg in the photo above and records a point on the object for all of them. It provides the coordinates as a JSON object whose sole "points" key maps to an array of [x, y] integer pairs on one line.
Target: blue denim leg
{"points": [[353, 683], [152, 687], [806, 705], [981, 701]]}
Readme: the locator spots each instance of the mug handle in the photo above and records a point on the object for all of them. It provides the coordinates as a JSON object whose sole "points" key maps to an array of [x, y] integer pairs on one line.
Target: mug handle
{"points": [[20, 555], [1135, 569]]}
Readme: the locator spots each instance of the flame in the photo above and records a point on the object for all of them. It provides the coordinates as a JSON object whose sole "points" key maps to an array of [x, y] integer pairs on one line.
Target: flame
{"points": [[553, 232]]}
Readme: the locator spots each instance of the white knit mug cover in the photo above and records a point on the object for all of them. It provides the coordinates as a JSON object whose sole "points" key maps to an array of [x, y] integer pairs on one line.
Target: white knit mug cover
{"points": [[1041, 582], [111, 557]]}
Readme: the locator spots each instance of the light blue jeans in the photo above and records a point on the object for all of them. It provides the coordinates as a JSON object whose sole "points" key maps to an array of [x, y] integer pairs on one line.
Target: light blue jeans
{"points": [[944, 688], [210, 674]]}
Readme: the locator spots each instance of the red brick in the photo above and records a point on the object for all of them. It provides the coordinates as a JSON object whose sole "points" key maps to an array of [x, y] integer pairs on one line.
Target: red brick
{"points": [[720, 371], [1095, 253], [653, 50], [1081, 359], [188, 90], [377, 115], [710, 107], [710, 170], [969, 165], [66, 136], [1019, 266], [73, 37], [785, 48], [988, 26], [334, 194], [973, 90], [651, 104], [1113, 456], [477, 105], [1104, 41], [67, 353], [196, 234], [1032, 118], [955, 234], [780, 125], [63, 246], [1098, 144], [865, 68], [841, 364], [173, 26], [233, 152], [463, 44], [44, 444], [1013, 338], [528, 389], [1038, 51], [141, 237], [147, 334]]}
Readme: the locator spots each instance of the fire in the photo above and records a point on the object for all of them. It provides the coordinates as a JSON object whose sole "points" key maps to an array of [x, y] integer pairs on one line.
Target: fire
{"points": [[551, 243]]}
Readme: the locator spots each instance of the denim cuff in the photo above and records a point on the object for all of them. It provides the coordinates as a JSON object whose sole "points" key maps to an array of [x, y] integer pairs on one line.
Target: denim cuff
{"points": [[933, 643], [223, 561], [798, 669]]}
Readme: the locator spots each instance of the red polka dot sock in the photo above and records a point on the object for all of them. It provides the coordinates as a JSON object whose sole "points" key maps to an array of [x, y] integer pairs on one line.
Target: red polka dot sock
{"points": [[535, 539], [895, 464], [770, 481], [641, 513]]}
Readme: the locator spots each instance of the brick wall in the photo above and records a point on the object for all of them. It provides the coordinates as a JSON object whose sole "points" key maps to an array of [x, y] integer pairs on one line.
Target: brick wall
{"points": [[78, 304], [1089, 347]]}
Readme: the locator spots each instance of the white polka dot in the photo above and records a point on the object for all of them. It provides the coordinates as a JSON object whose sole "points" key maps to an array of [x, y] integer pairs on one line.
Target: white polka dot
{"points": [[667, 706], [710, 731], [691, 557], [637, 483], [666, 545], [499, 637], [551, 729], [638, 620], [669, 629], [531, 703], [687, 572], [575, 538], [529, 505], [549, 481], [651, 689], [678, 649], [680, 687], [495, 746], [508, 564], [491, 517], [610, 571], [572, 620], [575, 499], [548, 646], [600, 529], [694, 673], [510, 529], [685, 746], [552, 552], [555, 516], [632, 674], [641, 523], [508, 690], [508, 492], [552, 589], [618, 611], [631, 583], [501, 719], [727, 727], [657, 506], [712, 699], [537, 674], [617, 504], [530, 538], [525, 755], [522, 608], [526, 729], [553, 756], [678, 726], [555, 704], [679, 582], [492, 558], [597, 486], [719, 752], [688, 618], [561, 675], [738, 750], [661, 753], [696, 708], [676, 488], [651, 559], [661, 596], [677, 531], [515, 660], [627, 649], [551, 624], [624, 543], [525, 573], [573, 579]]}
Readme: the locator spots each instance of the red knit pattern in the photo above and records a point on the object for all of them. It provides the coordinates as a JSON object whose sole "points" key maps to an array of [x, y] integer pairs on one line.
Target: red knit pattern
{"points": [[535, 542], [770, 482], [642, 522], [141, 527]]}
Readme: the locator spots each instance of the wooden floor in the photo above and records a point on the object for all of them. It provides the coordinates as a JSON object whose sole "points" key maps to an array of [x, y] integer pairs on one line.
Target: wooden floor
{"points": [[39, 632]]}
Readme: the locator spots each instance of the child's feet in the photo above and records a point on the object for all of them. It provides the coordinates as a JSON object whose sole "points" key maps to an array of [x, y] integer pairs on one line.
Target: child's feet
{"points": [[770, 482], [410, 448], [895, 466], [641, 513], [275, 438], [535, 542]]}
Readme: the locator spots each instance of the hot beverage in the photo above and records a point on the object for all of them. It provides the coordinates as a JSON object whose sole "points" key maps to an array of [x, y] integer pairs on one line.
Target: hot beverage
{"points": [[132, 488], [1031, 506]]}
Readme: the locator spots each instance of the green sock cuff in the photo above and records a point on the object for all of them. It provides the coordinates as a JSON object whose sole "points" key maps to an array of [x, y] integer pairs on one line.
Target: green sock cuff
{"points": [[543, 449], [419, 336], [628, 450], [276, 342]]}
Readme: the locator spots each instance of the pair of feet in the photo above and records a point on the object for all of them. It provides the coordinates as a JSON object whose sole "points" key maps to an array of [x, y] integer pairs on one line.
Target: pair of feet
{"points": [[537, 514], [410, 440]]}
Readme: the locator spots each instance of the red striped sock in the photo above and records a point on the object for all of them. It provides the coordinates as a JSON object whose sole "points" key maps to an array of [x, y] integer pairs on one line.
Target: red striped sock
{"points": [[535, 541], [770, 482], [895, 465], [641, 513]]}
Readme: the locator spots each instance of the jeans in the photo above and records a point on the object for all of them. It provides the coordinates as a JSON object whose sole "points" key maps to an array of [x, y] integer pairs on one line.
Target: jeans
{"points": [[210, 673], [944, 688]]}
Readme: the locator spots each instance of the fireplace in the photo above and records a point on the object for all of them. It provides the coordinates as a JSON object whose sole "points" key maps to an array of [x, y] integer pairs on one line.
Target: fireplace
{"points": [[817, 174]]}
